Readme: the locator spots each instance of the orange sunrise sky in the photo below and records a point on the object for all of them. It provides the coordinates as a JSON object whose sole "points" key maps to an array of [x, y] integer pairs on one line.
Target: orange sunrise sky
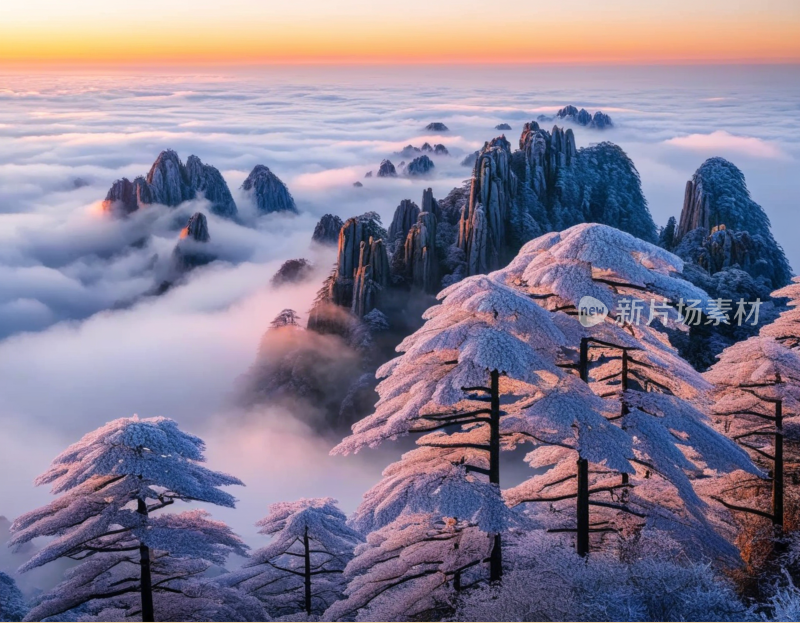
{"points": [[314, 31]]}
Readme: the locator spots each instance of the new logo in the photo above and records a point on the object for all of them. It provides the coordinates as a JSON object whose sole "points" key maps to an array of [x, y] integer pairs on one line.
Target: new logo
{"points": [[591, 311]]}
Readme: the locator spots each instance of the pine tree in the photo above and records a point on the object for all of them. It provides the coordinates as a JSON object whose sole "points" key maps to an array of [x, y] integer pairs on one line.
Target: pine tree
{"points": [[301, 569], [758, 402], [112, 485], [653, 395], [479, 377]]}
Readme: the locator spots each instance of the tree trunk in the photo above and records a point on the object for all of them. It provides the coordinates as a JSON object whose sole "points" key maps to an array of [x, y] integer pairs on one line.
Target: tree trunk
{"points": [[582, 537], [307, 572], [777, 472], [146, 581], [624, 406], [496, 561], [582, 541]]}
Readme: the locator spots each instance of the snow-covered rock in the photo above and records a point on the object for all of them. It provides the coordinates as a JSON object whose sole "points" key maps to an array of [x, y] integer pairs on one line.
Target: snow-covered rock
{"points": [[419, 166], [386, 169], [327, 229], [268, 192], [205, 179]]}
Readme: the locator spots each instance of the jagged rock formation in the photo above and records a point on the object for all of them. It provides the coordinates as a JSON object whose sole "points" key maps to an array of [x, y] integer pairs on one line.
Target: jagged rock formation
{"points": [[420, 166], [469, 159], [736, 230], [482, 230], [502, 126], [563, 186], [583, 117], [546, 155], [409, 151], [405, 216], [361, 264], [371, 277], [170, 182], [419, 261], [197, 228], [208, 180], [327, 230], [387, 169], [268, 191], [368, 174], [601, 121], [429, 203], [292, 271], [192, 250], [437, 149], [437, 126], [125, 196]]}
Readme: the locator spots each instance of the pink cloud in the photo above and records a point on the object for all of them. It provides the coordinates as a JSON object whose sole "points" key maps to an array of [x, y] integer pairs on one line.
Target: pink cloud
{"points": [[725, 141]]}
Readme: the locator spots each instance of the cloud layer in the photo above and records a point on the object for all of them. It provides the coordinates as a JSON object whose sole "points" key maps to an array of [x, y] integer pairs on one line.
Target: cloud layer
{"points": [[80, 345]]}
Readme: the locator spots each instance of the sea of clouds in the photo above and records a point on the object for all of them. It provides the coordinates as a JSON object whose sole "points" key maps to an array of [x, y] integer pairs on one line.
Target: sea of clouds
{"points": [[81, 342]]}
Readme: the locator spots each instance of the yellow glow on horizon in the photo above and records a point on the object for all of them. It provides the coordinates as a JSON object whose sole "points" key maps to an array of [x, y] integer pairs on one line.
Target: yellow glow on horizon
{"points": [[348, 35]]}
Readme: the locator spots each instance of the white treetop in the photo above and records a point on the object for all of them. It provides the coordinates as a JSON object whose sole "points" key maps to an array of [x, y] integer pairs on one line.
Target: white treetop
{"points": [[276, 574], [405, 569], [438, 387], [110, 482], [659, 404], [786, 328]]}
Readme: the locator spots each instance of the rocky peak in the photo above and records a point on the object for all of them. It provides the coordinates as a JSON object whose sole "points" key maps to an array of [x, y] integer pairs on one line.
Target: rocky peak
{"points": [[482, 228], [121, 197], [502, 126], [371, 276], [546, 153], [405, 215], [583, 117], [736, 230], [437, 126], [171, 183], [268, 191], [421, 266], [205, 179], [197, 228], [292, 271], [192, 249], [387, 169], [327, 230], [169, 180], [429, 204], [338, 289], [420, 166], [601, 121]]}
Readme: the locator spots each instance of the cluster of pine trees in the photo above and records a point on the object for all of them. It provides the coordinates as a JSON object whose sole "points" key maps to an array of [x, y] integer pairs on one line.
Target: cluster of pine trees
{"points": [[654, 492]]}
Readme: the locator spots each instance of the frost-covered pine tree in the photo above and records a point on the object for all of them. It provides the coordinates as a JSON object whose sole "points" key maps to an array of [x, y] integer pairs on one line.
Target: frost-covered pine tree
{"points": [[132, 558], [786, 328], [301, 569], [12, 603], [757, 403], [651, 393], [479, 376]]}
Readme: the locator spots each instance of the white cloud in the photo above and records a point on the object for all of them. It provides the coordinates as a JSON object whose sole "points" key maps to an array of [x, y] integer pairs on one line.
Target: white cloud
{"points": [[725, 142]]}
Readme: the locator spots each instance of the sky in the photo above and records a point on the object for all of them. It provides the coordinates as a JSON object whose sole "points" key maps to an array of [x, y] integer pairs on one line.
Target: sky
{"points": [[81, 344], [98, 32]]}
